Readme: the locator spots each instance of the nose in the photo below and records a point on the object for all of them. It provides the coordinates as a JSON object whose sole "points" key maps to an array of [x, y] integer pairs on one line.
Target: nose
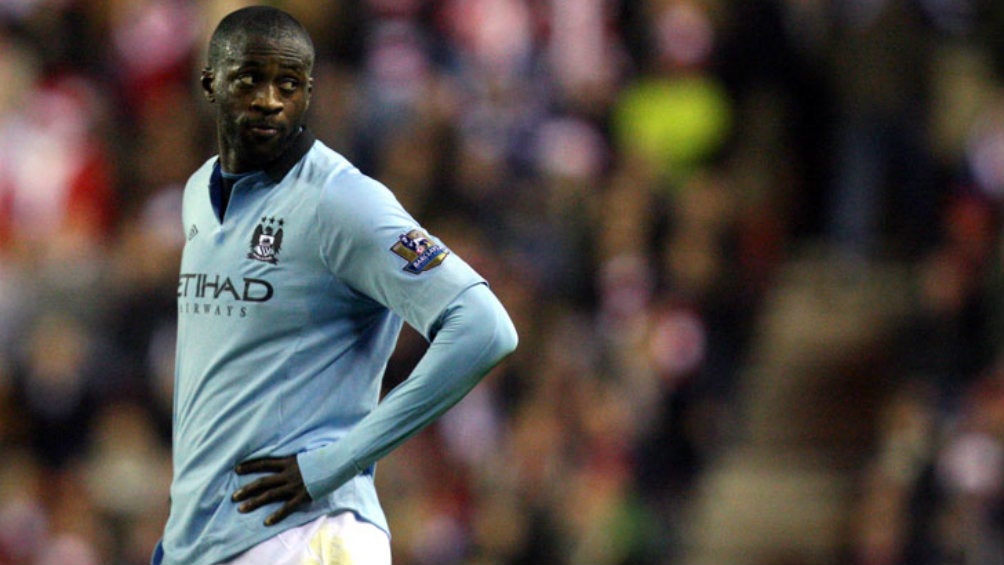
{"points": [[266, 99]]}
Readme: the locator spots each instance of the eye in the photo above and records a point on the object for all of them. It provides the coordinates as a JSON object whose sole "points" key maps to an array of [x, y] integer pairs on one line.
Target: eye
{"points": [[289, 85]]}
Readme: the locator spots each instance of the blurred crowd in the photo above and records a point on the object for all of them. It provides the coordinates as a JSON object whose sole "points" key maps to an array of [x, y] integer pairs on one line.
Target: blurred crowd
{"points": [[630, 175]]}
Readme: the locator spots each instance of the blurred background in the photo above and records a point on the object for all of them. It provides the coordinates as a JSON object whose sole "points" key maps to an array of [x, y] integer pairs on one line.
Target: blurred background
{"points": [[752, 248]]}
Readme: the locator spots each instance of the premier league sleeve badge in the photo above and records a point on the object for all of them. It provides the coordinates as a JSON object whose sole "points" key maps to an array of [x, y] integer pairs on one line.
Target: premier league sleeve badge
{"points": [[419, 251]]}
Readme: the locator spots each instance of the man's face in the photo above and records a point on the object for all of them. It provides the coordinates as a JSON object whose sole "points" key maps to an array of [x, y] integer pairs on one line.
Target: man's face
{"points": [[261, 89]]}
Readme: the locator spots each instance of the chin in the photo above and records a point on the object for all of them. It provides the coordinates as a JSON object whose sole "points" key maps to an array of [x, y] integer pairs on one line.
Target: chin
{"points": [[265, 152]]}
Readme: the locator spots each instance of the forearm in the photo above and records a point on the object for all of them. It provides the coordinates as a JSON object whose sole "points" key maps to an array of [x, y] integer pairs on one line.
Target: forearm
{"points": [[474, 335]]}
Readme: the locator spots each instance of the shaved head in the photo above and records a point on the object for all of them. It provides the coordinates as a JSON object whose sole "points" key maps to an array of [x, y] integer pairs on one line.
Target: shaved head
{"points": [[263, 22], [258, 80]]}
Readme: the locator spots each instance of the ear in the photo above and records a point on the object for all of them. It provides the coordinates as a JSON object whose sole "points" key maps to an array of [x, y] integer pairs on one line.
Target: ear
{"points": [[206, 81], [310, 90]]}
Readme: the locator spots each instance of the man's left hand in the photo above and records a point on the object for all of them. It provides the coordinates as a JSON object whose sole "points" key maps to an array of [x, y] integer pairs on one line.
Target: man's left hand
{"points": [[284, 483]]}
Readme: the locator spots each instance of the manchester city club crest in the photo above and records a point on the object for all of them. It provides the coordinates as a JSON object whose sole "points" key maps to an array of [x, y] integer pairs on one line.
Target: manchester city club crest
{"points": [[420, 252], [267, 241]]}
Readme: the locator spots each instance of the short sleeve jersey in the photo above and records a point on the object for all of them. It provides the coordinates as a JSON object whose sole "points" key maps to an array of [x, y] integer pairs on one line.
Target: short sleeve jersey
{"points": [[288, 311]]}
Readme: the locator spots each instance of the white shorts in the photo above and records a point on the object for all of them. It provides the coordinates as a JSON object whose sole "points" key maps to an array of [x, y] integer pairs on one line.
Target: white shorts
{"points": [[339, 539]]}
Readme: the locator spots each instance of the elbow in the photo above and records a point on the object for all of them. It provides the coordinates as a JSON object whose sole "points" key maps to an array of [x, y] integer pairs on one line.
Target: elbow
{"points": [[506, 337], [503, 338], [498, 333], [483, 323]]}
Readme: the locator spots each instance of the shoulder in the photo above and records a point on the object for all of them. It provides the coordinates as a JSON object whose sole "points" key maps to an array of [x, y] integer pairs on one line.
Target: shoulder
{"points": [[198, 183], [202, 174], [346, 193], [322, 164]]}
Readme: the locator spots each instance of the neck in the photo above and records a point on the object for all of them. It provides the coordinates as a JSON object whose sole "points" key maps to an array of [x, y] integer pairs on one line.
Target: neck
{"points": [[229, 160], [234, 160]]}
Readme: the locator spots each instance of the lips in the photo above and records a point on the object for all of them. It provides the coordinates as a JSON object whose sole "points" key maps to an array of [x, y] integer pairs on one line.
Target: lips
{"points": [[263, 129]]}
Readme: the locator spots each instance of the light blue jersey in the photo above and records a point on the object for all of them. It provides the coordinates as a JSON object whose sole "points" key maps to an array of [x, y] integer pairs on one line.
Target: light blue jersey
{"points": [[288, 311]]}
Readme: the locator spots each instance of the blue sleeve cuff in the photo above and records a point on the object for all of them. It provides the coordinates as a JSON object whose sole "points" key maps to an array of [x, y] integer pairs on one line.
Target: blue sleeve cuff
{"points": [[322, 473]]}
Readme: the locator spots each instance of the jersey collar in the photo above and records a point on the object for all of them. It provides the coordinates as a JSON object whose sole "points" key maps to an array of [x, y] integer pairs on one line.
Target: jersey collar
{"points": [[276, 170]]}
